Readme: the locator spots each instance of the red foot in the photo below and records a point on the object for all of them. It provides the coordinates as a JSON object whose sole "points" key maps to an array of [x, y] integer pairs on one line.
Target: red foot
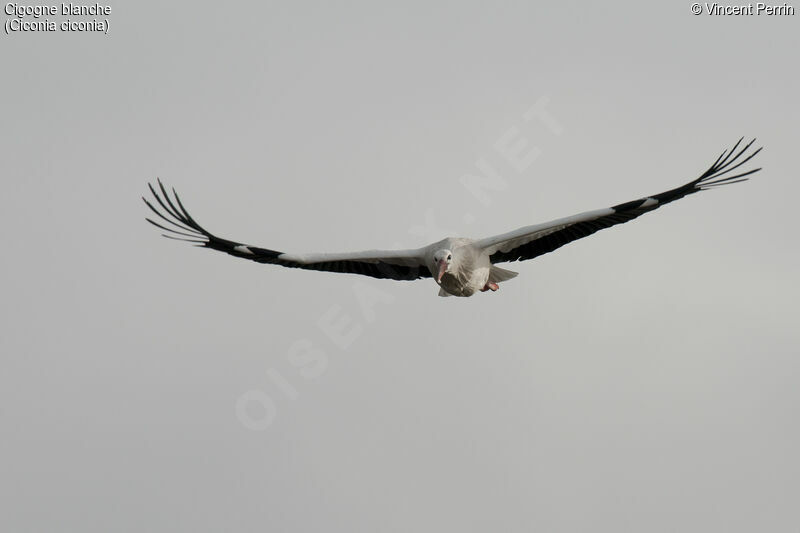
{"points": [[490, 286]]}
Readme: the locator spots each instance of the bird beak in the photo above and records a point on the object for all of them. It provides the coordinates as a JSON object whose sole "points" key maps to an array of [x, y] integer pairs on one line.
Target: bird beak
{"points": [[442, 270]]}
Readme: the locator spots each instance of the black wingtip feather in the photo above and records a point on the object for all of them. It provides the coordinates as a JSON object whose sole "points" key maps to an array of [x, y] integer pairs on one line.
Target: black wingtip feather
{"points": [[727, 164], [175, 211], [179, 218]]}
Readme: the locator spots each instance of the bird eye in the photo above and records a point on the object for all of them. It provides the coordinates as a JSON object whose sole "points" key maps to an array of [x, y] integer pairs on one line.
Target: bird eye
{"points": [[449, 256]]}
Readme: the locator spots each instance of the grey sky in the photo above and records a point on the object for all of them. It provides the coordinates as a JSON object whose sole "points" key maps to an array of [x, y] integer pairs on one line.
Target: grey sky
{"points": [[643, 379]]}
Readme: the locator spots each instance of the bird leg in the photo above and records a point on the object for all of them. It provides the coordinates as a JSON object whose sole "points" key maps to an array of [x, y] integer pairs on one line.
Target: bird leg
{"points": [[490, 285]]}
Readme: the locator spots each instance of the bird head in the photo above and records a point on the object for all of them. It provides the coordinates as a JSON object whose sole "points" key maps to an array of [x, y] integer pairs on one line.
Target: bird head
{"points": [[443, 259]]}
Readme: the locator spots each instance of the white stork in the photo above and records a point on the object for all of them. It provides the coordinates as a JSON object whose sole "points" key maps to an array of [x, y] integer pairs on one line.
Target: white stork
{"points": [[461, 267]]}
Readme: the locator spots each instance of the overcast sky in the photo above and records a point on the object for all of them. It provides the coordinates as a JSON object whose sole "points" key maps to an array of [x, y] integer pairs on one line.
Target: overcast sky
{"points": [[644, 379]]}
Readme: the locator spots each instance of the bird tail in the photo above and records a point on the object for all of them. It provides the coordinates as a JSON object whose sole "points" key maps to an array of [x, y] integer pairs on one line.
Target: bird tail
{"points": [[497, 274]]}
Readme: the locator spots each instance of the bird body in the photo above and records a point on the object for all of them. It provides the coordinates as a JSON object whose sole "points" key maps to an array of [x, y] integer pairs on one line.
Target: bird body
{"points": [[461, 267], [469, 270]]}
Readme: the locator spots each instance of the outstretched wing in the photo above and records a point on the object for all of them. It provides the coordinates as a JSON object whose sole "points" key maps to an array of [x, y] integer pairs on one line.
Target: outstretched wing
{"points": [[404, 265], [533, 241]]}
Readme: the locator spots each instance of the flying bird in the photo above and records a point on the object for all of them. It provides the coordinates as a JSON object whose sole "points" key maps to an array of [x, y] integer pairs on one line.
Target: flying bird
{"points": [[461, 267]]}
